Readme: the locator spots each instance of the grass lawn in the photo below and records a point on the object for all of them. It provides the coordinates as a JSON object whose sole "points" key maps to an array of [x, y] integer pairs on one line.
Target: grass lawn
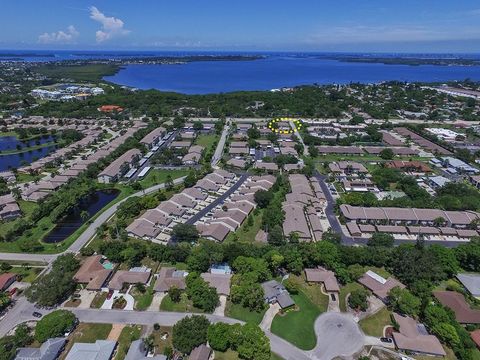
{"points": [[233, 355], [28, 274], [247, 233], [159, 343], [128, 334], [344, 291], [143, 301], [373, 325], [158, 176], [98, 300], [312, 291], [450, 355], [27, 208], [87, 333], [296, 326], [184, 305], [239, 312], [206, 140]]}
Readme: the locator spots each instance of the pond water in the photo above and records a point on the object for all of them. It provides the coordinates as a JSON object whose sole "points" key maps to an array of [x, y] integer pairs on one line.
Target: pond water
{"points": [[93, 204], [9, 143]]}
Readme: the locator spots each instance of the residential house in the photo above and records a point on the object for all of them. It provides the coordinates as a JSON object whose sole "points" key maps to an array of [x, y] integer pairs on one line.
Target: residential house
{"points": [[413, 337], [202, 352], [133, 276], [457, 303], [274, 292], [49, 350], [99, 350], [119, 167], [169, 277], [93, 273], [137, 351], [324, 276], [7, 279], [471, 282], [378, 285]]}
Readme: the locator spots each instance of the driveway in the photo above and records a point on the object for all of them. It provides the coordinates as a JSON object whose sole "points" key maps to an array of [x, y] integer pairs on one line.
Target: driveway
{"points": [[108, 304], [338, 335], [157, 300], [268, 317], [220, 309], [86, 298]]}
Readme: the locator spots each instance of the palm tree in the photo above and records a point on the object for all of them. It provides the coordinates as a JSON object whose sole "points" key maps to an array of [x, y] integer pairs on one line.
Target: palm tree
{"points": [[84, 215]]}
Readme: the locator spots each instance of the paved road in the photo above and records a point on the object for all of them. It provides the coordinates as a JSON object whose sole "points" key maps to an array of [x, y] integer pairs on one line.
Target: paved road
{"points": [[218, 201], [88, 233], [299, 137], [221, 144], [24, 312]]}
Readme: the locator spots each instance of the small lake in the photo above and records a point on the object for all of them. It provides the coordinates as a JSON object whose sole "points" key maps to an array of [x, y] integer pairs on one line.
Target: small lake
{"points": [[93, 204], [10, 143]]}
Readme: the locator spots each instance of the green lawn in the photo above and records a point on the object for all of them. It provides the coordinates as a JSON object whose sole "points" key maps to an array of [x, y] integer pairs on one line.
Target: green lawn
{"points": [[239, 312], [143, 301], [296, 326], [373, 325], [87, 333], [184, 305], [312, 291], [98, 300], [159, 343], [344, 291], [158, 176], [28, 274], [27, 208], [206, 140], [128, 334], [233, 355], [247, 233]]}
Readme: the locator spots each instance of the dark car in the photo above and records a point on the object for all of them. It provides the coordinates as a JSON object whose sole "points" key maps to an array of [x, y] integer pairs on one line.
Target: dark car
{"points": [[37, 314], [386, 340], [109, 295]]}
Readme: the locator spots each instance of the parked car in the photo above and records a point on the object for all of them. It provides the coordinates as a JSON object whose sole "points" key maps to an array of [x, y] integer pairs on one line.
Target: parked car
{"points": [[109, 295], [37, 314], [386, 340]]}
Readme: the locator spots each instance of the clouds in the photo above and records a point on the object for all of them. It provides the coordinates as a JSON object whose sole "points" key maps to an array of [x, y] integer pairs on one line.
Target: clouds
{"points": [[60, 37], [111, 26]]}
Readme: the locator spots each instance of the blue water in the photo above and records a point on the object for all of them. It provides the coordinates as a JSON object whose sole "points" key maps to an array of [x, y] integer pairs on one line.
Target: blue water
{"points": [[203, 77], [9, 161], [11, 142], [92, 204]]}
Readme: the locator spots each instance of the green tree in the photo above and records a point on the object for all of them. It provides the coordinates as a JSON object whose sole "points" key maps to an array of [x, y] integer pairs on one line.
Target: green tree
{"points": [[387, 154], [381, 239], [202, 295], [55, 324], [404, 302], [358, 299], [57, 285], [263, 198], [185, 233], [175, 294], [219, 336], [447, 334], [275, 236], [254, 344], [189, 333]]}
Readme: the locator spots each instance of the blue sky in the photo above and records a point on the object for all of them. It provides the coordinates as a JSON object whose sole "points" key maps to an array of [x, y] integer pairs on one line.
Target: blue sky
{"points": [[305, 25]]}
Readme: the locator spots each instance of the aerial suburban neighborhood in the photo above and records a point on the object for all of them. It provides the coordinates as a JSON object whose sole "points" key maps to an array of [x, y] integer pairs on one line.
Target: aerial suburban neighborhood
{"points": [[226, 205]]}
